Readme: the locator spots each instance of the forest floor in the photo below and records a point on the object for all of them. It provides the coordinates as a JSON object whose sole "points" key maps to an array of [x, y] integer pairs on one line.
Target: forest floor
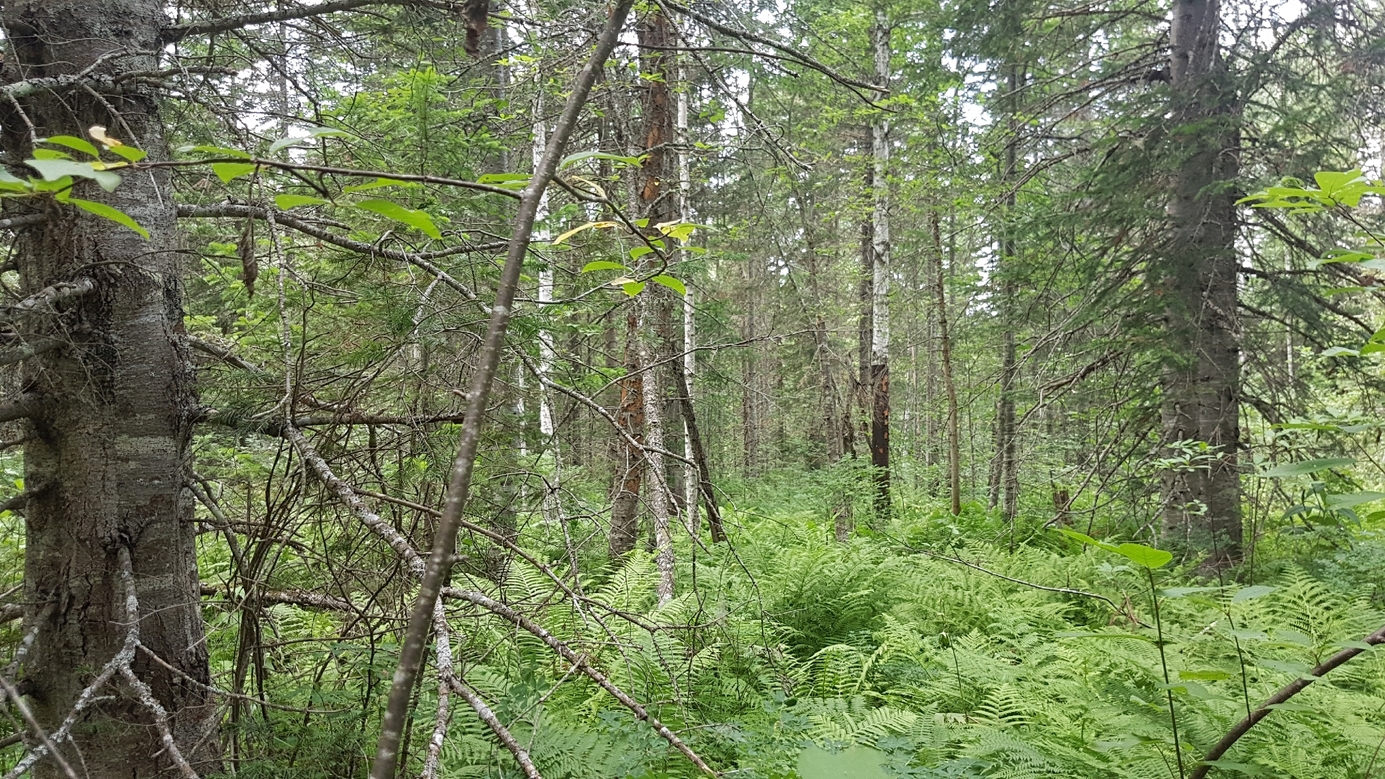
{"points": [[929, 649]]}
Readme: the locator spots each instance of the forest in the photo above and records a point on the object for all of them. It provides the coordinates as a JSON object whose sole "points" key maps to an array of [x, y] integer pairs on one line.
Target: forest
{"points": [[577, 389]]}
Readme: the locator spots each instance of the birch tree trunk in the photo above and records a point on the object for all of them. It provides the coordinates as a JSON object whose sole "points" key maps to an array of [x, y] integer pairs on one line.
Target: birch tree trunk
{"points": [[880, 284], [552, 505]]}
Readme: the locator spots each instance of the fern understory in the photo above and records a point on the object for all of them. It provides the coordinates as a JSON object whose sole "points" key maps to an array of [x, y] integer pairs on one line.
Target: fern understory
{"points": [[788, 647]]}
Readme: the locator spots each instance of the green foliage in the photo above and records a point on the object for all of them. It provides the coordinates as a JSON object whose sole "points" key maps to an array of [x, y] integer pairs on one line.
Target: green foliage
{"points": [[797, 656]]}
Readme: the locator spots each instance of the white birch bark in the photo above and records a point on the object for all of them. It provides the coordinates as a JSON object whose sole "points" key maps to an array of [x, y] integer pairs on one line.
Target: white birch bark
{"points": [[691, 478], [880, 218], [660, 497]]}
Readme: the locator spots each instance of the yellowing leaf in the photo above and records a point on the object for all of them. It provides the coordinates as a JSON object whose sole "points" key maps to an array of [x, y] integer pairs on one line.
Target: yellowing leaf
{"points": [[580, 228], [99, 133]]}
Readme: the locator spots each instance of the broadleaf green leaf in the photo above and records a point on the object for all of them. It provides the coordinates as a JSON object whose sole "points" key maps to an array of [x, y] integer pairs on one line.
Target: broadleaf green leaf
{"points": [[1255, 591], [130, 153], [313, 134], [1086, 539], [1145, 556], [54, 170], [596, 265], [378, 183], [1348, 500], [109, 212], [219, 151], [672, 283], [1306, 467], [285, 202], [74, 143], [230, 171], [409, 216]]}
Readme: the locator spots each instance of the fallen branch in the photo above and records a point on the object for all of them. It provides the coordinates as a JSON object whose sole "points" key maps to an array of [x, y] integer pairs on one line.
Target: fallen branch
{"points": [[581, 664], [348, 497], [501, 732], [1290, 690]]}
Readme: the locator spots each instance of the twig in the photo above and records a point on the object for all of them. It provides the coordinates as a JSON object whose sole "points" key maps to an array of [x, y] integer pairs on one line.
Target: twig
{"points": [[30, 720]]}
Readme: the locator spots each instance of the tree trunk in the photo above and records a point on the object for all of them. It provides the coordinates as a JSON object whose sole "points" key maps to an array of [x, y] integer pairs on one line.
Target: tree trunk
{"points": [[858, 407], [880, 286], [1007, 444], [954, 443], [630, 460], [552, 506], [659, 492], [107, 454], [1197, 281], [750, 421]]}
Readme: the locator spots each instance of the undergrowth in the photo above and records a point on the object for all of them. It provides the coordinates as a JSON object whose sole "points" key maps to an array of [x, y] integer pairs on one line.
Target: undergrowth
{"points": [[788, 639]]}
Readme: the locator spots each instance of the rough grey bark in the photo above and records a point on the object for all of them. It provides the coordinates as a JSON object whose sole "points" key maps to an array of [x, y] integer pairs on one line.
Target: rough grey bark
{"points": [[1197, 282], [1007, 483], [954, 443], [108, 447]]}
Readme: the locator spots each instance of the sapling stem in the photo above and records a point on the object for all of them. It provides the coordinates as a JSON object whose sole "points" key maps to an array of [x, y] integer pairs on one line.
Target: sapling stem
{"points": [[1164, 664]]}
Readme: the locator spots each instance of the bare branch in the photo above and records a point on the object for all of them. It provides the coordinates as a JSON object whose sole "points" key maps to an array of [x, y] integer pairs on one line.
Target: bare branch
{"points": [[793, 53], [16, 503], [225, 355], [48, 297], [348, 497], [421, 260], [227, 24], [501, 732], [1290, 690], [441, 181], [29, 349], [32, 722], [23, 406], [305, 598], [442, 653], [581, 663], [26, 220]]}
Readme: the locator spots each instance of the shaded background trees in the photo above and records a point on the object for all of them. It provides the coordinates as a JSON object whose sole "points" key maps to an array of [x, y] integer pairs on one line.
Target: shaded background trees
{"points": [[957, 272]]}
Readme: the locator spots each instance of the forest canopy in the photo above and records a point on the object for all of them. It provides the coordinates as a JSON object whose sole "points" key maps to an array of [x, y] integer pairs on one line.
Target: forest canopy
{"points": [[454, 388]]}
